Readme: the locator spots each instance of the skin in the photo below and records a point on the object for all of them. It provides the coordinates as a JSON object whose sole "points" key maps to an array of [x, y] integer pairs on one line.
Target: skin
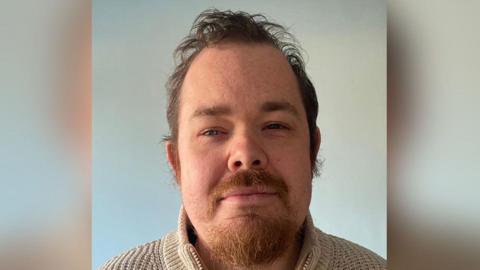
{"points": [[224, 128]]}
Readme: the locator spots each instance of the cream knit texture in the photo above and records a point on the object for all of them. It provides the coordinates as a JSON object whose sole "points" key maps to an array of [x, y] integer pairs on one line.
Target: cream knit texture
{"points": [[320, 251]]}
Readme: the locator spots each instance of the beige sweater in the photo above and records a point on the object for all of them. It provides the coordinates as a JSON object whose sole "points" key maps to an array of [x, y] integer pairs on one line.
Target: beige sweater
{"points": [[174, 251]]}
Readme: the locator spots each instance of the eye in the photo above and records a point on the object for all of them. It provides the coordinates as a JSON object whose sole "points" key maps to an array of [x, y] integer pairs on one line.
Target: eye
{"points": [[210, 132], [275, 126]]}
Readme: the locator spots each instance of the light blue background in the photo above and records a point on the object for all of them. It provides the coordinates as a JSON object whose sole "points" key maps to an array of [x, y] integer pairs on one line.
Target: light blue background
{"points": [[134, 198]]}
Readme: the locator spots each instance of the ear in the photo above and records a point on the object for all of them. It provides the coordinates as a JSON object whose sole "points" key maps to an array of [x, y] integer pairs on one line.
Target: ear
{"points": [[172, 157], [318, 140]]}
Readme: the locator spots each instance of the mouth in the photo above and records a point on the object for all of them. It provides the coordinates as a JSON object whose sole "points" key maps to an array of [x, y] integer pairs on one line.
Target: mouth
{"points": [[245, 195]]}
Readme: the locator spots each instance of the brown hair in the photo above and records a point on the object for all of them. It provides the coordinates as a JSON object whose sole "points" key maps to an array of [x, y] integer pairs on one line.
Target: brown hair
{"points": [[212, 26]]}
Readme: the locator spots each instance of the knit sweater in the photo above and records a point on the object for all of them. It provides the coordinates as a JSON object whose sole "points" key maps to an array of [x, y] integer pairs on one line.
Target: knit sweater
{"points": [[320, 251]]}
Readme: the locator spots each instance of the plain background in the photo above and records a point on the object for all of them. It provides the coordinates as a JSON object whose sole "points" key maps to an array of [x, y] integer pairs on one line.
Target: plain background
{"points": [[134, 198]]}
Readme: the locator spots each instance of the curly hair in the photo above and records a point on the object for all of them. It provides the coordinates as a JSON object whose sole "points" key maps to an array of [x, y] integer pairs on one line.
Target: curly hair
{"points": [[213, 26]]}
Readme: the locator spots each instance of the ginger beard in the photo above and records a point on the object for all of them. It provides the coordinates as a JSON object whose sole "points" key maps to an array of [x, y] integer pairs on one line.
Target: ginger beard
{"points": [[253, 239]]}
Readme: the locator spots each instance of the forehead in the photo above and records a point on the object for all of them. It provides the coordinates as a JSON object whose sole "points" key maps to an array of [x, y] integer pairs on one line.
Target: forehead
{"points": [[242, 76]]}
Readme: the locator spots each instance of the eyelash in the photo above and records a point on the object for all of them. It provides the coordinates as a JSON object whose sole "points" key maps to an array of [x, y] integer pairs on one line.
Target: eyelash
{"points": [[280, 126], [216, 132], [206, 132]]}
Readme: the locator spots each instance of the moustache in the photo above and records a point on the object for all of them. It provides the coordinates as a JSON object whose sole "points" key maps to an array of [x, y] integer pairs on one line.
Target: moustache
{"points": [[249, 178]]}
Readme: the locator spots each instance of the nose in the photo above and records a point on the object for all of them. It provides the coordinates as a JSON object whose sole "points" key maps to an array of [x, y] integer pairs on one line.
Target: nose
{"points": [[246, 153]]}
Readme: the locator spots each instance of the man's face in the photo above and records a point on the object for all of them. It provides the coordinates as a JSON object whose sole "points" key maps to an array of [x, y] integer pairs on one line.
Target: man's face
{"points": [[241, 109]]}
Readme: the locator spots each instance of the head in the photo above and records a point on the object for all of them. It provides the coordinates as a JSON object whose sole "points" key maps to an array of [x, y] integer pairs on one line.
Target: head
{"points": [[243, 144]]}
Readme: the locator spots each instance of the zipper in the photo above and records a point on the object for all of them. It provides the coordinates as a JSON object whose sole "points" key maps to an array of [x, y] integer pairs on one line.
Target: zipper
{"points": [[196, 258], [307, 262]]}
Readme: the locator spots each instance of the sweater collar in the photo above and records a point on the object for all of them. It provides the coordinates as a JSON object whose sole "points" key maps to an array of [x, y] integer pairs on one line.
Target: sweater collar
{"points": [[182, 231], [309, 253]]}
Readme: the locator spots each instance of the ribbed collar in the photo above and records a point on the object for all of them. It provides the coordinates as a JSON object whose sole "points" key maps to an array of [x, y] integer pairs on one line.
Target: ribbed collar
{"points": [[183, 222], [308, 259]]}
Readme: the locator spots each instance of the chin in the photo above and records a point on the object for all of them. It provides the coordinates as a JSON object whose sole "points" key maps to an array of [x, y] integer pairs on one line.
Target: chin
{"points": [[251, 239], [250, 213]]}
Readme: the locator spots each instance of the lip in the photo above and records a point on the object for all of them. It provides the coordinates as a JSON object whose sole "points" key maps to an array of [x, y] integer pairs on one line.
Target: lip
{"points": [[248, 194]]}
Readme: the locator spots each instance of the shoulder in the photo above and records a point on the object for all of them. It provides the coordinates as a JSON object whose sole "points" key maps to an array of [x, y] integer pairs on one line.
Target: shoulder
{"points": [[143, 257], [345, 254]]}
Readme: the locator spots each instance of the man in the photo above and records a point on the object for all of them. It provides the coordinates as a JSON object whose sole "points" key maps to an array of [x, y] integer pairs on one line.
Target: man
{"points": [[243, 145]]}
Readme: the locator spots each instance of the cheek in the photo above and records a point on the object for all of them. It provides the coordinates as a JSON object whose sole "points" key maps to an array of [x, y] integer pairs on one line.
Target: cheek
{"points": [[291, 158], [292, 162], [296, 171], [200, 173]]}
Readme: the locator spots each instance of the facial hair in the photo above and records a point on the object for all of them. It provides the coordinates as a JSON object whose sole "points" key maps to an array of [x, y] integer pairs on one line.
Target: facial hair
{"points": [[253, 239]]}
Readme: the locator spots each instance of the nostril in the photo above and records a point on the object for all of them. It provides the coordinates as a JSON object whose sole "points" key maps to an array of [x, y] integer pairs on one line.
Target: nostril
{"points": [[237, 163], [256, 162]]}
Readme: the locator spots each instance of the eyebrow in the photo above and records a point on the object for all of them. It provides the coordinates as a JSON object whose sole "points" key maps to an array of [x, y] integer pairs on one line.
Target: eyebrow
{"points": [[269, 106], [272, 106], [212, 111]]}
